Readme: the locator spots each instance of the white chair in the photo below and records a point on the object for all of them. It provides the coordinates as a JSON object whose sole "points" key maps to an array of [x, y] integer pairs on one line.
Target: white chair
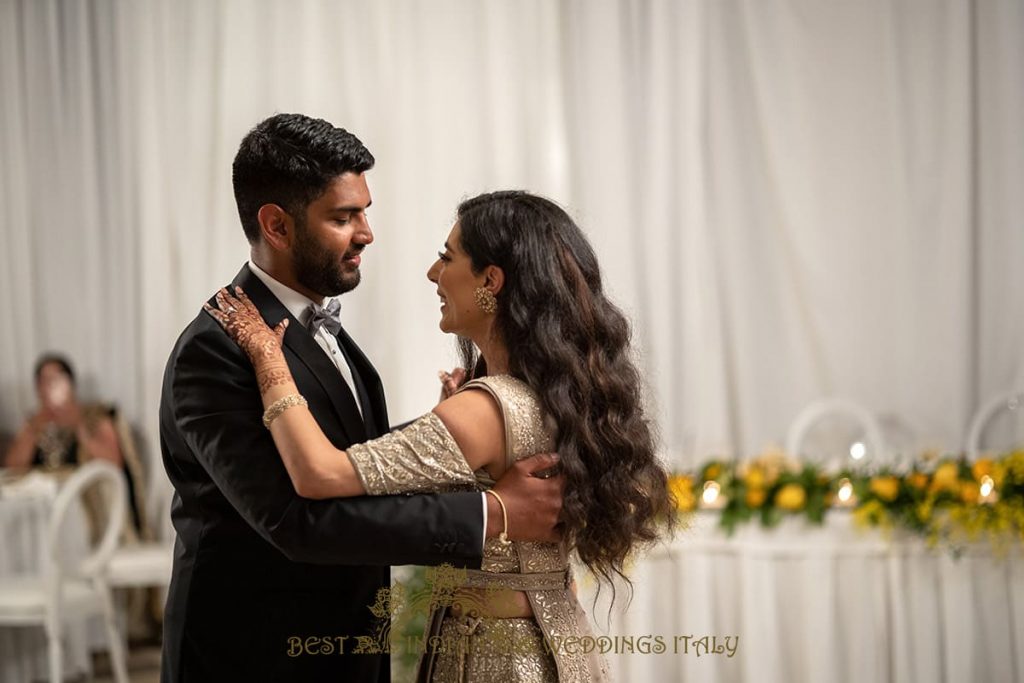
{"points": [[149, 563], [72, 588], [873, 447], [902, 438], [1010, 401]]}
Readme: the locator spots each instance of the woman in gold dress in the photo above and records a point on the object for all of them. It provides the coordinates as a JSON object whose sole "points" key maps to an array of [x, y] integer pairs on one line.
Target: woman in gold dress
{"points": [[550, 370]]}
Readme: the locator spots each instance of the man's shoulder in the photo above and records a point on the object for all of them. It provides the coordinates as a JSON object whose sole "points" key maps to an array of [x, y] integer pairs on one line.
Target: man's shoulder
{"points": [[203, 342], [202, 331]]}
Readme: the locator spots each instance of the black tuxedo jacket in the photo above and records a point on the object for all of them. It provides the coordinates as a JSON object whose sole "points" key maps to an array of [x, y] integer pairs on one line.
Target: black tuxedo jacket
{"points": [[261, 576]]}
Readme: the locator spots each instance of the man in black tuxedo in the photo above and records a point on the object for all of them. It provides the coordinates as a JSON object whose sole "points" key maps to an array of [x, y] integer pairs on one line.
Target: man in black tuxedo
{"points": [[269, 586]]}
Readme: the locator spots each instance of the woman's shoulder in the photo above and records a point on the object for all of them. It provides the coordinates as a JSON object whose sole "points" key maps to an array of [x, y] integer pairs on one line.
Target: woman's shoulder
{"points": [[522, 412]]}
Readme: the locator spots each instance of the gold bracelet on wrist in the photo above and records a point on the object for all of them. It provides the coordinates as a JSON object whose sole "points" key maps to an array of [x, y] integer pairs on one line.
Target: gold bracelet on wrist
{"points": [[282, 404], [503, 536]]}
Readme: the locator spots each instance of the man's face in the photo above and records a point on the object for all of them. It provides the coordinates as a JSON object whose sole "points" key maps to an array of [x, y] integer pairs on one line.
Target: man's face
{"points": [[328, 242]]}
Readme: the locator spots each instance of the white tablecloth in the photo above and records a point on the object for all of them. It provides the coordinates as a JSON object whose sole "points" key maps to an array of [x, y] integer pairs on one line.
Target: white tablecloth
{"points": [[23, 522], [809, 603]]}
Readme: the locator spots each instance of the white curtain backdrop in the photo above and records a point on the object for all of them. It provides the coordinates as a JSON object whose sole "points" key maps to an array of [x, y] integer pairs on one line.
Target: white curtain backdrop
{"points": [[791, 198]]}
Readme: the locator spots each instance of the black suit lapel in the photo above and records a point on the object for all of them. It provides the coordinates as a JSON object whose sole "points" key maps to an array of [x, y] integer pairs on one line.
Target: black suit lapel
{"points": [[372, 385], [298, 339], [360, 387]]}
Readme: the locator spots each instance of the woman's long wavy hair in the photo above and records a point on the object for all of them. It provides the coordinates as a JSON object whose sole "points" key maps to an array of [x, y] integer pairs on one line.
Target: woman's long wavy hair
{"points": [[569, 343]]}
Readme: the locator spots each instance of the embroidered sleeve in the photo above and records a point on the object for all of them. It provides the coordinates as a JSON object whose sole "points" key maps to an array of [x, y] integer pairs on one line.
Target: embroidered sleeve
{"points": [[422, 457]]}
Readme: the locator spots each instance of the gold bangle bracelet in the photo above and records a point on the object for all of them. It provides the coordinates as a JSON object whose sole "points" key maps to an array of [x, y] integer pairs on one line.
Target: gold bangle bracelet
{"points": [[282, 404], [503, 536]]}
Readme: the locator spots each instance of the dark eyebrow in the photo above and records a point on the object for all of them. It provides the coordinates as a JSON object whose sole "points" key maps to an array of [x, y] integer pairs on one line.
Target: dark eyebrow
{"points": [[447, 248], [350, 209]]}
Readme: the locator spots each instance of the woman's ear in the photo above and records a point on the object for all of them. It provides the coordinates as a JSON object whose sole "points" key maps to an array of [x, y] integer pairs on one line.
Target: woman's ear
{"points": [[494, 279], [276, 226]]}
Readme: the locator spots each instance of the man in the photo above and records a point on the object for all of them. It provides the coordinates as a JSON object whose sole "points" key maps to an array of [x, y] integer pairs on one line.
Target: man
{"points": [[257, 569]]}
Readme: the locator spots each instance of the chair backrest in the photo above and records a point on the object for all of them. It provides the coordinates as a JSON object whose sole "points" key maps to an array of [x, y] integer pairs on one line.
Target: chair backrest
{"points": [[822, 408], [112, 479], [902, 438], [1010, 401]]}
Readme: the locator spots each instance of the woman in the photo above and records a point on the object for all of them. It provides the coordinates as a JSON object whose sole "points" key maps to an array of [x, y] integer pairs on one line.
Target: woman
{"points": [[67, 432], [62, 427], [518, 282]]}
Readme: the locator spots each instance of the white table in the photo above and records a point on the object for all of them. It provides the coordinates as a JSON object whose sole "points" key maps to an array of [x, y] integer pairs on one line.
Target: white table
{"points": [[826, 603], [23, 522]]}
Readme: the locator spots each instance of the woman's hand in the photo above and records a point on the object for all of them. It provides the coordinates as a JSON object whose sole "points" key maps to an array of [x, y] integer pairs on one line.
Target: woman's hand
{"points": [[244, 324], [100, 440], [37, 423]]}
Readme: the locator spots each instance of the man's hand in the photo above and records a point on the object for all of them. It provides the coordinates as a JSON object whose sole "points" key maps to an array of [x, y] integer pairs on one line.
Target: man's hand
{"points": [[532, 492], [450, 382]]}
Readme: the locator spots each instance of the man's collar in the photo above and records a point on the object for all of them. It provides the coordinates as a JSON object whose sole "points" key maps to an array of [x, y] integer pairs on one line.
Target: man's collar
{"points": [[297, 303]]}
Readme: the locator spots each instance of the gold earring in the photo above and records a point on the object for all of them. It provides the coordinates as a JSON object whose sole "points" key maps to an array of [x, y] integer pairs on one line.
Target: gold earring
{"points": [[485, 300]]}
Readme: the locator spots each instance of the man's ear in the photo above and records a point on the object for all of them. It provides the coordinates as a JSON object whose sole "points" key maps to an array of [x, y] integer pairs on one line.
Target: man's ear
{"points": [[276, 227], [494, 278]]}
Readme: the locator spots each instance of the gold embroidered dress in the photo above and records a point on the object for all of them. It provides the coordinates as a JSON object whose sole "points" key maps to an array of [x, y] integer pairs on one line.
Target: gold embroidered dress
{"points": [[537, 649]]}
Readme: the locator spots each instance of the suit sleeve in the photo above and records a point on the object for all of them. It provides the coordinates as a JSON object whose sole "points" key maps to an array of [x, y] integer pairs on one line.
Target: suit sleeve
{"points": [[218, 414]]}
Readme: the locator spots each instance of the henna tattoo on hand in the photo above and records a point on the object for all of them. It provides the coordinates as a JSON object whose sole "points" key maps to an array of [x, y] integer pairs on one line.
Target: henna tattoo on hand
{"points": [[270, 349], [272, 378], [245, 325]]}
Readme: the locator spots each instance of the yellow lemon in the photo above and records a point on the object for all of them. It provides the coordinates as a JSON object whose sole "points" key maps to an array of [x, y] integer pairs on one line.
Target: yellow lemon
{"points": [[755, 497], [713, 471], [969, 492], [924, 512], [917, 480], [982, 467], [681, 487], [886, 488], [946, 476], [791, 497], [755, 478]]}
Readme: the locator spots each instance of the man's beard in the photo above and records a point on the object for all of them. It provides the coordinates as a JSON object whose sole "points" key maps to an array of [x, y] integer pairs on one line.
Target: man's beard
{"points": [[317, 269]]}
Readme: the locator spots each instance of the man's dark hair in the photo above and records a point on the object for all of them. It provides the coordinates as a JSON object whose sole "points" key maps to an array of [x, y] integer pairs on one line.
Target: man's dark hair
{"points": [[56, 359], [289, 160]]}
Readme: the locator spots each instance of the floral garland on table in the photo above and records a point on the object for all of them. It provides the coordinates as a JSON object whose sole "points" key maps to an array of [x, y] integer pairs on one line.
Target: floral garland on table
{"points": [[946, 500]]}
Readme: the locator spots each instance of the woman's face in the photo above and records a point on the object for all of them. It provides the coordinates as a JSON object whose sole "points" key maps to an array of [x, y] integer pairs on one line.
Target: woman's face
{"points": [[53, 386], [456, 285]]}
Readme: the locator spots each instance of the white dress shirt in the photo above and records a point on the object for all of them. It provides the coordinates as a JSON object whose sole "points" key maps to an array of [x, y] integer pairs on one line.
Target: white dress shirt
{"points": [[299, 306]]}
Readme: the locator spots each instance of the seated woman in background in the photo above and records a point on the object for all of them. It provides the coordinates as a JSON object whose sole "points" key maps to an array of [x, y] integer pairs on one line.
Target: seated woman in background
{"points": [[66, 432]]}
